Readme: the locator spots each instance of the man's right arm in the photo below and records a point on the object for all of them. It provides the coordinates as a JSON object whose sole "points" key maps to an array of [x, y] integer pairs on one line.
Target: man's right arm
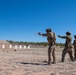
{"points": [[42, 34], [63, 37]]}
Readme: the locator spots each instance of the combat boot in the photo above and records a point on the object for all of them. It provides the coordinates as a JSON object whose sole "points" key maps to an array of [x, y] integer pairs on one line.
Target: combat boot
{"points": [[53, 62], [49, 63]]}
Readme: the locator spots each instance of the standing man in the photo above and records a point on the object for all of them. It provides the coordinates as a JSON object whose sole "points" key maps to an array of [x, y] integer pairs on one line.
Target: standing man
{"points": [[74, 43], [51, 41], [68, 46]]}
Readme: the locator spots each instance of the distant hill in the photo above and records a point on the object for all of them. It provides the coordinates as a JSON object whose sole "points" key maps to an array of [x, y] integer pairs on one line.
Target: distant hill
{"points": [[4, 42]]}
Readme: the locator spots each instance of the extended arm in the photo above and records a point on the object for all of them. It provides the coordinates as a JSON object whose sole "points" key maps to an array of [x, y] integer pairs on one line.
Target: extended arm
{"points": [[43, 34], [63, 37]]}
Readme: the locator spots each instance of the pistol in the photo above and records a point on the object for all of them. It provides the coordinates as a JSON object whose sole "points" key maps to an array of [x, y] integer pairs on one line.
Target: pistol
{"points": [[59, 36], [39, 33]]}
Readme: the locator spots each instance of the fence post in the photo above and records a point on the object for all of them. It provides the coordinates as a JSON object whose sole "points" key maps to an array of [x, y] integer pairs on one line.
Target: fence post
{"points": [[10, 46], [3, 46], [16, 47], [24, 47], [20, 46], [28, 46]]}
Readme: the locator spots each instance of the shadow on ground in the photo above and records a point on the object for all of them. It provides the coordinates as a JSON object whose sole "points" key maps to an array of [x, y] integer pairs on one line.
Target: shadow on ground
{"points": [[34, 63]]}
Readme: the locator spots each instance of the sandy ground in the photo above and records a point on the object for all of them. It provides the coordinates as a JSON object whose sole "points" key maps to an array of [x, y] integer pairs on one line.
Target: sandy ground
{"points": [[34, 62]]}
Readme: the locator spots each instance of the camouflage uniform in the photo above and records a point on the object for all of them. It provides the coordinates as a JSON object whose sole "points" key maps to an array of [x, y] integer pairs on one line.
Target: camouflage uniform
{"points": [[68, 46], [74, 43], [51, 42], [51, 50]]}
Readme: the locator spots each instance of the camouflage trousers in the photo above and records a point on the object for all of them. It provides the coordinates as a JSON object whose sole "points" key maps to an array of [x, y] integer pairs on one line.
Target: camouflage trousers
{"points": [[65, 51], [51, 52]]}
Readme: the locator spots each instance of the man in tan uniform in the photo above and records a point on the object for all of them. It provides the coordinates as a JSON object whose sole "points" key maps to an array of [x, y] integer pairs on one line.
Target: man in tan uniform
{"points": [[68, 46], [74, 43], [51, 41]]}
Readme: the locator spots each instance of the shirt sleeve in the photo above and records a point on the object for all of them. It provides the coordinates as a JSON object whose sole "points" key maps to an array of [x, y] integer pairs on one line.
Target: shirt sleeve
{"points": [[63, 37], [44, 34]]}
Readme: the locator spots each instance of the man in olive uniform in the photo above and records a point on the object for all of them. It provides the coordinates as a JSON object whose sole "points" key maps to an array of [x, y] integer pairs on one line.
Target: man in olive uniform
{"points": [[51, 41], [74, 43], [68, 46]]}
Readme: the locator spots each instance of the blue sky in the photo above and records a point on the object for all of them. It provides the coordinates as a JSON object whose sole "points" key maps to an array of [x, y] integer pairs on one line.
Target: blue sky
{"points": [[20, 19]]}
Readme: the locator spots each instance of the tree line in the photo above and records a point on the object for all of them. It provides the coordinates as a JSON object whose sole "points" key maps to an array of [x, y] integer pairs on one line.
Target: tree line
{"points": [[32, 43]]}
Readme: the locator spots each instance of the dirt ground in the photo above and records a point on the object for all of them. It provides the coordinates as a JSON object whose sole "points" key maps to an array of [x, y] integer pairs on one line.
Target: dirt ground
{"points": [[34, 62]]}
